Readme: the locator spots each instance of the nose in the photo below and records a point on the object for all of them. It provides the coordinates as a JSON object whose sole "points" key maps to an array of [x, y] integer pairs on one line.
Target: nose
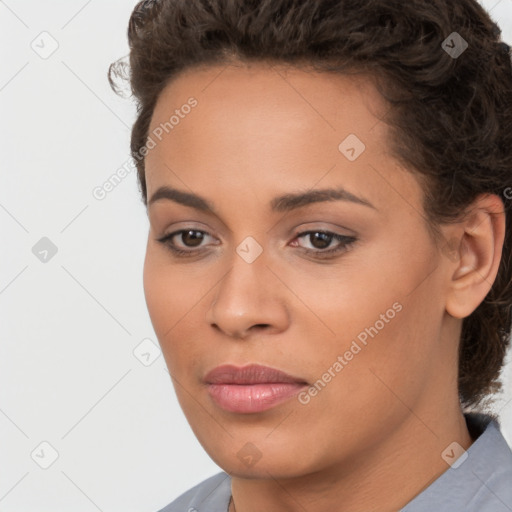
{"points": [[248, 299]]}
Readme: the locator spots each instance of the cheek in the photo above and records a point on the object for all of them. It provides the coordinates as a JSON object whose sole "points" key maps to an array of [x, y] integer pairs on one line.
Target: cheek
{"points": [[175, 301], [356, 300], [156, 291], [383, 317], [168, 299], [370, 390], [171, 290]]}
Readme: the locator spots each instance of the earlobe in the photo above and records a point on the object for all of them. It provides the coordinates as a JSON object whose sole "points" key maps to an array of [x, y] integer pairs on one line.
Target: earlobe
{"points": [[479, 255]]}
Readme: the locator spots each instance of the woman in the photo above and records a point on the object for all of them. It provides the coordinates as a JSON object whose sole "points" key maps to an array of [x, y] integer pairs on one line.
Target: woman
{"points": [[328, 267]]}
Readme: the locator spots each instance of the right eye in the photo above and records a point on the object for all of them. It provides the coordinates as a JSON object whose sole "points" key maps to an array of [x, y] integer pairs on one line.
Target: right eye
{"points": [[188, 236]]}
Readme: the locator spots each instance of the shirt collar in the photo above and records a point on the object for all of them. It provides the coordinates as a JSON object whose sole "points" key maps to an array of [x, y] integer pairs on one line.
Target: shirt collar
{"points": [[481, 482]]}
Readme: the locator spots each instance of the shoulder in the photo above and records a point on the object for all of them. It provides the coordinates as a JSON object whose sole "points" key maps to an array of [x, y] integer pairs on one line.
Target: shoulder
{"points": [[479, 480], [210, 495]]}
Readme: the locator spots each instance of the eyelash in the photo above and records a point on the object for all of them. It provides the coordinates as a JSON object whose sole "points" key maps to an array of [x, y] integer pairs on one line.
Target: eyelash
{"points": [[345, 243]]}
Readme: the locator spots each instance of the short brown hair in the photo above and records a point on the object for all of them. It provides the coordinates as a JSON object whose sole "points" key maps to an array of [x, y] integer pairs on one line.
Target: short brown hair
{"points": [[451, 116]]}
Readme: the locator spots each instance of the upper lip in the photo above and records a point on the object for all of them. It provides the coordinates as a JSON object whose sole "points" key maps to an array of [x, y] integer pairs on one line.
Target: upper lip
{"points": [[249, 374]]}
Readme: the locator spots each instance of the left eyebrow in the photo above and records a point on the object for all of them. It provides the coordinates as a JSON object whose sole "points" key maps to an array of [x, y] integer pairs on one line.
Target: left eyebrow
{"points": [[283, 203], [289, 202]]}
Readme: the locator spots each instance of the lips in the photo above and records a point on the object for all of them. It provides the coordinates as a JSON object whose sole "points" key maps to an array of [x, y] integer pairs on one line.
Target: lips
{"points": [[251, 389], [250, 374]]}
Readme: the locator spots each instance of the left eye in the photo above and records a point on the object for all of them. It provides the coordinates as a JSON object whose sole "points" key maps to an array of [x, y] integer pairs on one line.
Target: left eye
{"points": [[320, 240]]}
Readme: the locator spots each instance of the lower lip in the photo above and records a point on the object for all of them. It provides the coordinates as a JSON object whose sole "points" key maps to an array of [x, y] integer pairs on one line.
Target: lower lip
{"points": [[247, 398]]}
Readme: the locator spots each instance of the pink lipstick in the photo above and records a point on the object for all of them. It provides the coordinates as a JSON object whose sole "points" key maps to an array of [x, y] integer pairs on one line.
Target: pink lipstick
{"points": [[252, 388]]}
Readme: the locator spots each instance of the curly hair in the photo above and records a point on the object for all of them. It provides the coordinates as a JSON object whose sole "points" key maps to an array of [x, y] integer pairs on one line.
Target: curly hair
{"points": [[449, 118]]}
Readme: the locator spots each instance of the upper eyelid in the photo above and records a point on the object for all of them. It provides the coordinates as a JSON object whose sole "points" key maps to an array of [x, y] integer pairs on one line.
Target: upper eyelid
{"points": [[178, 232], [299, 230], [299, 234]]}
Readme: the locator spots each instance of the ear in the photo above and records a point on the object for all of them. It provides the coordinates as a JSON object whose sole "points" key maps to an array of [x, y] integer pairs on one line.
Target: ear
{"points": [[478, 255]]}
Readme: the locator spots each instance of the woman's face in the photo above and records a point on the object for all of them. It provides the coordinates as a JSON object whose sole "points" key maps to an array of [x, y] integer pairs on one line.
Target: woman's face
{"points": [[360, 319]]}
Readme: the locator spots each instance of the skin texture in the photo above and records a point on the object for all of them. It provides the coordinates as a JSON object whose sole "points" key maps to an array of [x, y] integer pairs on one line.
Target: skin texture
{"points": [[373, 437]]}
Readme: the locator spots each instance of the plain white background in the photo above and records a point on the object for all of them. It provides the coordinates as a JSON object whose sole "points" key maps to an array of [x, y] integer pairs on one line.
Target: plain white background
{"points": [[71, 326]]}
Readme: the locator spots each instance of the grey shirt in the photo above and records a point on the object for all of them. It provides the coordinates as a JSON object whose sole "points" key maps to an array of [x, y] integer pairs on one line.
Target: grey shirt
{"points": [[481, 483]]}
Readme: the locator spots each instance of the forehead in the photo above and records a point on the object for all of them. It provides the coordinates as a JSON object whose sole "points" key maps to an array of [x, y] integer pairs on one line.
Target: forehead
{"points": [[264, 88], [266, 126]]}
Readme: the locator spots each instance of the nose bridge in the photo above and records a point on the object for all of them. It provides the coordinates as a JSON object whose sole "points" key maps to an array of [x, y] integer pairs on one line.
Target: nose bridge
{"points": [[244, 286], [247, 295]]}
